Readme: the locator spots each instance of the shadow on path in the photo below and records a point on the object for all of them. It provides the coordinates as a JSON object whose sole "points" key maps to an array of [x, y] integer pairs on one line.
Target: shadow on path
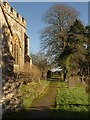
{"points": [[43, 108], [47, 114]]}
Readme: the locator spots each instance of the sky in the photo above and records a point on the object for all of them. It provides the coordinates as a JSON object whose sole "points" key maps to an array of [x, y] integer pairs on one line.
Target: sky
{"points": [[33, 12], [48, 0]]}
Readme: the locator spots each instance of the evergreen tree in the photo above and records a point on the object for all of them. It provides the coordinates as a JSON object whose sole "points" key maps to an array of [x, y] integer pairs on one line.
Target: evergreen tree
{"points": [[87, 33], [73, 55]]}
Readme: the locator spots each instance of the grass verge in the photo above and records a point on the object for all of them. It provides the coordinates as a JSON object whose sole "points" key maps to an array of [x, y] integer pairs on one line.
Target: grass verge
{"points": [[72, 102], [33, 91]]}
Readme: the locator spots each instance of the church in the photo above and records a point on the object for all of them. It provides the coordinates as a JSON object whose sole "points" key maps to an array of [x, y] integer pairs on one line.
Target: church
{"points": [[19, 40]]}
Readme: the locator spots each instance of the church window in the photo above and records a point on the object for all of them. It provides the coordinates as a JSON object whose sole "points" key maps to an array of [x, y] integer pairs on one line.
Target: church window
{"points": [[16, 53]]}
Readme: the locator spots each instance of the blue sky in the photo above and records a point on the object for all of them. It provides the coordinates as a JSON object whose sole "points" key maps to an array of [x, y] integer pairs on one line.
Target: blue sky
{"points": [[33, 12]]}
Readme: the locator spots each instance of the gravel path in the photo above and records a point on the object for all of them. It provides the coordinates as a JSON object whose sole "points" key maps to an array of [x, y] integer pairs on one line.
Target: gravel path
{"points": [[42, 108]]}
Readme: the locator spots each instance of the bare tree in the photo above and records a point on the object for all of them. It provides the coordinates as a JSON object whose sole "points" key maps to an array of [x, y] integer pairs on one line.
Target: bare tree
{"points": [[41, 61], [54, 36]]}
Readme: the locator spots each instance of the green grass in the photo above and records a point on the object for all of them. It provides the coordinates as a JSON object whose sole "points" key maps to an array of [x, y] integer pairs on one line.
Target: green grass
{"points": [[33, 91], [71, 101]]}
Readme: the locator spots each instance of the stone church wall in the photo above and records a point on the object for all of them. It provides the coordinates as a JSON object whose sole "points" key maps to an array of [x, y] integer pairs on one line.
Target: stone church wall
{"points": [[18, 26], [11, 98]]}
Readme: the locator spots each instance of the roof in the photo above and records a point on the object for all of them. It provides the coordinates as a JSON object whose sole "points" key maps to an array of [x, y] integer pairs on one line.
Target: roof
{"points": [[57, 69]]}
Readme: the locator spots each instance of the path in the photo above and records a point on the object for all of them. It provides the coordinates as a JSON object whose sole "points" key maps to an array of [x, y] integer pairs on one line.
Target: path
{"points": [[42, 107], [48, 100]]}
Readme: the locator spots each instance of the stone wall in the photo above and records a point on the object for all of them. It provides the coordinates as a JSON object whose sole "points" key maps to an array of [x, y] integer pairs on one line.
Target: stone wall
{"points": [[16, 30], [11, 98], [17, 25]]}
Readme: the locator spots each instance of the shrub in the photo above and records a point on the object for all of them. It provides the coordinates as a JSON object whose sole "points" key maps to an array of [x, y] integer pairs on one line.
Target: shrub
{"points": [[29, 73]]}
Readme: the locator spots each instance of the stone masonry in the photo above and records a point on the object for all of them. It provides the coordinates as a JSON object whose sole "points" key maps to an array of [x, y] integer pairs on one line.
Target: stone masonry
{"points": [[19, 41]]}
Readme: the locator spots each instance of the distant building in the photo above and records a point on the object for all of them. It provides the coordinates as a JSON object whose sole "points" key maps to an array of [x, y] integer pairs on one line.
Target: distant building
{"points": [[57, 69], [19, 40], [54, 73]]}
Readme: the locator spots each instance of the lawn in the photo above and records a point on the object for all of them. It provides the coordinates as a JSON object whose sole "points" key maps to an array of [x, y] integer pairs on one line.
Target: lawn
{"points": [[72, 101]]}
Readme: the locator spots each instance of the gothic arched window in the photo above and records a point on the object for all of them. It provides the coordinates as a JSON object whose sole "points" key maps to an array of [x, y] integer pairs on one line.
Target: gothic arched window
{"points": [[16, 53], [16, 49]]}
